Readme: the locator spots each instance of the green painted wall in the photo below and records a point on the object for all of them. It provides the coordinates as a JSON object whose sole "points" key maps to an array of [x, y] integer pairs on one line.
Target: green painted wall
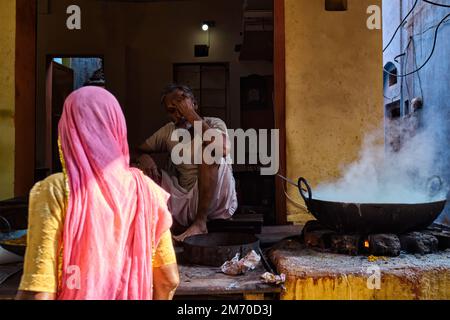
{"points": [[7, 96]]}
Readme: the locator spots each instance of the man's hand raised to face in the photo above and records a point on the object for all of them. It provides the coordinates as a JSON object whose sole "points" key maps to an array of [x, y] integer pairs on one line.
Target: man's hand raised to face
{"points": [[186, 108]]}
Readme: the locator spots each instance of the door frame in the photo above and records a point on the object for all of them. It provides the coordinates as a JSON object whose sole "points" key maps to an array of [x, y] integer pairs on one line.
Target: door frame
{"points": [[50, 113], [49, 65], [25, 96], [280, 105]]}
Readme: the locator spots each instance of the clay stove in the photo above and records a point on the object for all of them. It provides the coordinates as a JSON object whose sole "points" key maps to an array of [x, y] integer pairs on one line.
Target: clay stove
{"points": [[326, 264], [430, 240]]}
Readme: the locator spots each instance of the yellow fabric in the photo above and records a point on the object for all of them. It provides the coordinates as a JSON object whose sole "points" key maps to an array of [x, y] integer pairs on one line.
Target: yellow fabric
{"points": [[43, 258], [45, 222], [164, 253]]}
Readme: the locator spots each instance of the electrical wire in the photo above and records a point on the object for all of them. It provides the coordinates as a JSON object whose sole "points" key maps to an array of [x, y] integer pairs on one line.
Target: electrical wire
{"points": [[426, 30], [401, 24], [398, 56], [297, 204], [429, 57], [437, 4], [291, 182], [395, 59], [287, 180], [409, 13]]}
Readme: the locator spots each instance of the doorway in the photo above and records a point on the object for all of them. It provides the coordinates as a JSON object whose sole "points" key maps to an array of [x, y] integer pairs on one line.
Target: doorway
{"points": [[139, 67], [63, 76]]}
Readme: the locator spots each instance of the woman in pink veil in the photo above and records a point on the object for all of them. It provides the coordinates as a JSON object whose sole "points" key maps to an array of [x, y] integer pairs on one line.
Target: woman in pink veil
{"points": [[100, 230]]}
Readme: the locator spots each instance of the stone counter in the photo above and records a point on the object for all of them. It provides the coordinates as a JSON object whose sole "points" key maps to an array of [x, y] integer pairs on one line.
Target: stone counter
{"points": [[312, 275]]}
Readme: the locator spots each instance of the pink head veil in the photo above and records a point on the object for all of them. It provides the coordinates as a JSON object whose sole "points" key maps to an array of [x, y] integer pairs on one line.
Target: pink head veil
{"points": [[115, 214]]}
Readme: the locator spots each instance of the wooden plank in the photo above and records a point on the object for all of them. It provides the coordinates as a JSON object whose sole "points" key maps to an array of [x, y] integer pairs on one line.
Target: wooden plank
{"points": [[195, 281], [202, 280]]}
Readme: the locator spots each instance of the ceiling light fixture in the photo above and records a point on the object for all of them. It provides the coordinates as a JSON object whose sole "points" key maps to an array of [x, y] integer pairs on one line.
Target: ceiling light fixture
{"points": [[206, 25]]}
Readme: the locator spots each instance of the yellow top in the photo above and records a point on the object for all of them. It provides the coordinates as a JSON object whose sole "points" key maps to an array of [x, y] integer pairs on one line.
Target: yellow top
{"points": [[43, 258]]}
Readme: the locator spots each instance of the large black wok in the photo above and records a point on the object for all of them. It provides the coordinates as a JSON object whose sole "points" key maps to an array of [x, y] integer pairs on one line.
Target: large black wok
{"points": [[370, 218]]}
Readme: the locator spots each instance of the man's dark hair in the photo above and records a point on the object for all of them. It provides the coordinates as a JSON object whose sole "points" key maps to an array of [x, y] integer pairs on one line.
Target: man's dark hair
{"points": [[174, 87], [97, 79]]}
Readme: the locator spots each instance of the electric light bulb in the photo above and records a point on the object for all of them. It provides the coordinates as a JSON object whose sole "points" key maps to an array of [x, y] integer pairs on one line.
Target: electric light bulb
{"points": [[205, 27]]}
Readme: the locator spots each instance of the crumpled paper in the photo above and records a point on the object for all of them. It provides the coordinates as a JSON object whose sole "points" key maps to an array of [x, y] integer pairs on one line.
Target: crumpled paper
{"points": [[236, 267], [271, 278]]}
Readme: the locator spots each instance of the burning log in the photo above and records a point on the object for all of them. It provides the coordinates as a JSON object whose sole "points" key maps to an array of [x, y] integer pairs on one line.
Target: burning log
{"points": [[443, 238], [346, 244], [418, 242], [316, 236], [442, 234], [384, 245]]}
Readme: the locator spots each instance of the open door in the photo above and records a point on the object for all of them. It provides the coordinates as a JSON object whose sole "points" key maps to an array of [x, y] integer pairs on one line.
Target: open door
{"points": [[60, 83]]}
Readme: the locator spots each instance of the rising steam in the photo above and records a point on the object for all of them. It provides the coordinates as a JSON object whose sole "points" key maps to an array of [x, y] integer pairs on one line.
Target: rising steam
{"points": [[408, 168]]}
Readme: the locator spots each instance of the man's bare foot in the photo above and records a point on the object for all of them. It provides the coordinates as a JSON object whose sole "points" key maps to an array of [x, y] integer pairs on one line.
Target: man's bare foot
{"points": [[193, 230]]}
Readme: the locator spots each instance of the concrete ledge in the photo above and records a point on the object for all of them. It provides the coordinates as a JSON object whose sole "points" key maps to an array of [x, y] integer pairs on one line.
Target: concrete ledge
{"points": [[311, 275]]}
